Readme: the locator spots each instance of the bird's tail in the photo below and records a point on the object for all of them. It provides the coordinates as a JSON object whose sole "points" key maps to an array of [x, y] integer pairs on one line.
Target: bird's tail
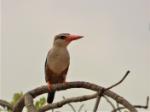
{"points": [[50, 97]]}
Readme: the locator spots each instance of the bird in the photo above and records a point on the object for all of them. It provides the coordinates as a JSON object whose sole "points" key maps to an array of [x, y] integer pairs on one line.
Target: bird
{"points": [[58, 61]]}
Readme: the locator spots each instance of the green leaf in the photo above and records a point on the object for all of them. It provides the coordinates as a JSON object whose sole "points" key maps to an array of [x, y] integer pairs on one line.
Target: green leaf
{"points": [[40, 103], [16, 97]]}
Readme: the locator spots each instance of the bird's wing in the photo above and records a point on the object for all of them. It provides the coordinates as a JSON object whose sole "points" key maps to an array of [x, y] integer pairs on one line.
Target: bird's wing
{"points": [[47, 71], [52, 77]]}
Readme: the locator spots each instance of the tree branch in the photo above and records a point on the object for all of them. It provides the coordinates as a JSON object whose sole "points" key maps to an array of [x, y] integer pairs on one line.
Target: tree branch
{"points": [[136, 106], [58, 87], [5, 104], [107, 99], [116, 84], [101, 92], [74, 110], [66, 101], [80, 108], [29, 103]]}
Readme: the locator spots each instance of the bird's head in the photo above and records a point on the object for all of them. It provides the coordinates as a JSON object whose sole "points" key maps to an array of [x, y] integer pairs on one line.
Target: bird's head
{"points": [[64, 39]]}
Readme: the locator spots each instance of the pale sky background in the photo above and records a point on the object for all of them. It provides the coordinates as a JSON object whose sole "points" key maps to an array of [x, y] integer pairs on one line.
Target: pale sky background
{"points": [[117, 39]]}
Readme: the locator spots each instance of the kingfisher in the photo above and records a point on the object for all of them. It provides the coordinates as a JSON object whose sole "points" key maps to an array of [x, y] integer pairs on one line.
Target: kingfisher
{"points": [[57, 62]]}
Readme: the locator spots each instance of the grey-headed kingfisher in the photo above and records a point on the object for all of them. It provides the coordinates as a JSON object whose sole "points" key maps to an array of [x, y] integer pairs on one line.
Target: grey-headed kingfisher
{"points": [[57, 61]]}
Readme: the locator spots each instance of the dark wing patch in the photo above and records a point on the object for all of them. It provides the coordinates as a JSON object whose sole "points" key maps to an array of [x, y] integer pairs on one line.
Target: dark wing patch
{"points": [[53, 77]]}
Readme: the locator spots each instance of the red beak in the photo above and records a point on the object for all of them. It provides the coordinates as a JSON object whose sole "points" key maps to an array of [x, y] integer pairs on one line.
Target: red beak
{"points": [[73, 37]]}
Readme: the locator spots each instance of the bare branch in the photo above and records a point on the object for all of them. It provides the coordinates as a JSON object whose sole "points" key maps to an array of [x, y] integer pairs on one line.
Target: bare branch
{"points": [[58, 87], [80, 108], [66, 101], [136, 106], [114, 85], [101, 92], [74, 110], [107, 99], [6, 104], [29, 103]]}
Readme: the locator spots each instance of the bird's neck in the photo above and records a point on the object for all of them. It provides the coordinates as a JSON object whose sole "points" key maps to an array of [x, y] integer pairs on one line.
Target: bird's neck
{"points": [[59, 44], [58, 48]]}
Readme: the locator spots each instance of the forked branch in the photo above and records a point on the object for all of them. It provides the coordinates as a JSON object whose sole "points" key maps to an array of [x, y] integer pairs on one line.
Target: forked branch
{"points": [[27, 99]]}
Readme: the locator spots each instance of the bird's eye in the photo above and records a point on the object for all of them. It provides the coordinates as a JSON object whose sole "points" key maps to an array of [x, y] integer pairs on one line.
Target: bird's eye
{"points": [[62, 37]]}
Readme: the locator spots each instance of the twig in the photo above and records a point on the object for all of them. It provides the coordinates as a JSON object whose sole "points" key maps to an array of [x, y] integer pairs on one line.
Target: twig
{"points": [[136, 106], [116, 84], [29, 103], [80, 108], [101, 92], [66, 101], [107, 99], [6, 104], [74, 110]]}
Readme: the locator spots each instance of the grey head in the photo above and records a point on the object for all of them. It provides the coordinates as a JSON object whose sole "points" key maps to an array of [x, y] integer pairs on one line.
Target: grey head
{"points": [[61, 36], [63, 39]]}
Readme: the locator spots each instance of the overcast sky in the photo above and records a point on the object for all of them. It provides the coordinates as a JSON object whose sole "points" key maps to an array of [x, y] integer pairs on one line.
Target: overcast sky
{"points": [[117, 39]]}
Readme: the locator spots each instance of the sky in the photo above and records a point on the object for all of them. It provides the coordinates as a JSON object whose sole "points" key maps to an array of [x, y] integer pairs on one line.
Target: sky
{"points": [[117, 39]]}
